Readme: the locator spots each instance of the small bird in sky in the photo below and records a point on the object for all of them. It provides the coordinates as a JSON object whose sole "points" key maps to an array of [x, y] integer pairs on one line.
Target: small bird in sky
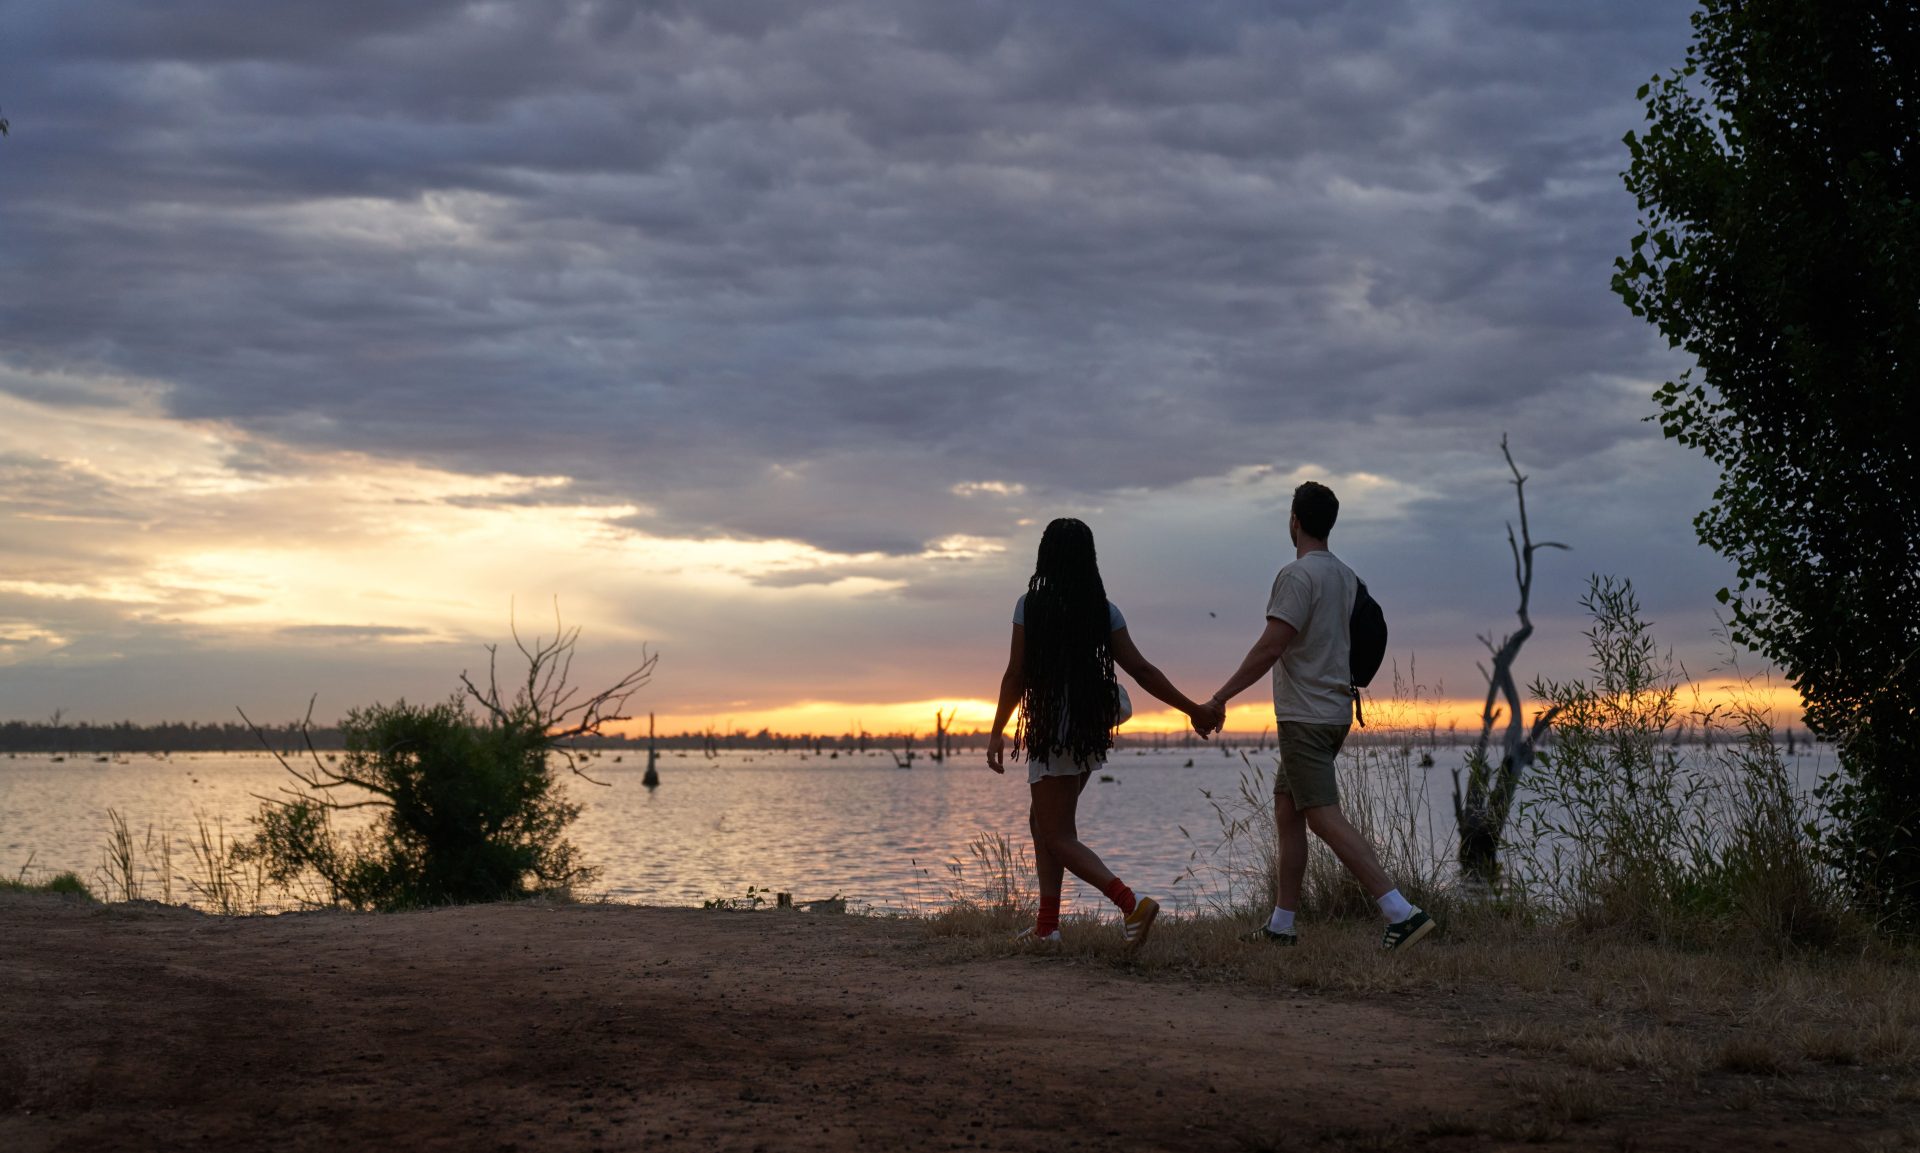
{"points": [[1213, 614], [3, 126]]}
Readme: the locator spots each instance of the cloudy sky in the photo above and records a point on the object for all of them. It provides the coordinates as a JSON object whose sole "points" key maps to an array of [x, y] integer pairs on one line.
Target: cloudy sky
{"points": [[769, 334]]}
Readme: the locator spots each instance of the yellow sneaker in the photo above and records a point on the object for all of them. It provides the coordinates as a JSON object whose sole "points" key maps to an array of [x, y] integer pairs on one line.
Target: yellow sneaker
{"points": [[1139, 923]]}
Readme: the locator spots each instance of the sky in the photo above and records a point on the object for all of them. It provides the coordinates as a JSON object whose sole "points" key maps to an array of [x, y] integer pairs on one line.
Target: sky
{"points": [[768, 336]]}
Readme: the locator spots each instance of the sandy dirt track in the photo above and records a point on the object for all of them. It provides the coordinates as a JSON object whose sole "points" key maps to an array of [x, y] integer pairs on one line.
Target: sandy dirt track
{"points": [[537, 1027]]}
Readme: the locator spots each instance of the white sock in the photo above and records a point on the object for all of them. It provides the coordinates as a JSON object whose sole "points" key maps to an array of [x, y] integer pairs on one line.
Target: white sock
{"points": [[1395, 907], [1281, 921]]}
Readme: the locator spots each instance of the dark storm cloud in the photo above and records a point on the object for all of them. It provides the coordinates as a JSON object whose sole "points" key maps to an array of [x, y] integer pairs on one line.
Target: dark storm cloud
{"points": [[659, 248], [807, 270]]}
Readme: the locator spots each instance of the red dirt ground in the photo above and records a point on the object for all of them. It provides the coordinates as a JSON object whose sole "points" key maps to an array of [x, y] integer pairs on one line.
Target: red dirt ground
{"points": [[533, 1027]]}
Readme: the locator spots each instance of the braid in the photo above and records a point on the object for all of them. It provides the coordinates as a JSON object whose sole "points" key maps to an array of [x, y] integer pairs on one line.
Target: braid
{"points": [[1069, 707]]}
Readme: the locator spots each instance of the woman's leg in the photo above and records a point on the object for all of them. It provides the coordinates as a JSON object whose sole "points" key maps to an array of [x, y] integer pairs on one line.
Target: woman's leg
{"points": [[1056, 801], [1050, 873]]}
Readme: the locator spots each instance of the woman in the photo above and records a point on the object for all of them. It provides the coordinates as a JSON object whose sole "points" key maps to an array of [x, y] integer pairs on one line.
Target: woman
{"points": [[1067, 636]]}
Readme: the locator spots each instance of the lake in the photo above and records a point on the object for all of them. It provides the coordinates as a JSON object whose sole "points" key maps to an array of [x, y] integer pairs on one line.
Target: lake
{"points": [[855, 826]]}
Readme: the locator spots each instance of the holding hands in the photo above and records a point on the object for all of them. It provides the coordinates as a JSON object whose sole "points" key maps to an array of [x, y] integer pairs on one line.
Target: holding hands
{"points": [[1208, 717]]}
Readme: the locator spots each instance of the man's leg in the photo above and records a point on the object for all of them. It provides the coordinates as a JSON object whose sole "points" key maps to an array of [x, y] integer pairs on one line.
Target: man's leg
{"points": [[1331, 825], [1308, 757], [1406, 924], [1290, 845]]}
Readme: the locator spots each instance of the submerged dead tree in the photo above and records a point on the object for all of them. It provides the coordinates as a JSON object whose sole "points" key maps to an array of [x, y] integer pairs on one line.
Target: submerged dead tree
{"points": [[1481, 814], [941, 731]]}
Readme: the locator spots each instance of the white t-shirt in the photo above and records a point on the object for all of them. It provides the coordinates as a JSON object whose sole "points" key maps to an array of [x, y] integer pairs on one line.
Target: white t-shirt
{"points": [[1311, 680]]}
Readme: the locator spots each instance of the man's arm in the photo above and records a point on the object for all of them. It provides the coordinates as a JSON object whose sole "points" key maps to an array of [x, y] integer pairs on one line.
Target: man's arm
{"points": [[1258, 663]]}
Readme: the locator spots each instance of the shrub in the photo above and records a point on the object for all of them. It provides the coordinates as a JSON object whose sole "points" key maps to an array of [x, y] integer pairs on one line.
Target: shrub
{"points": [[1623, 828], [466, 811], [467, 805], [67, 884]]}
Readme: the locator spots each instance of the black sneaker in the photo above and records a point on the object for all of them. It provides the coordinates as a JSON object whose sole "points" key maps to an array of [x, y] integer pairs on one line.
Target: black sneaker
{"points": [[1407, 933], [1264, 935]]}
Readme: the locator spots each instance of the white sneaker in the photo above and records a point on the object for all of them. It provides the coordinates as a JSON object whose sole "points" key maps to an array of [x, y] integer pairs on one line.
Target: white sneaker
{"points": [[1028, 936]]}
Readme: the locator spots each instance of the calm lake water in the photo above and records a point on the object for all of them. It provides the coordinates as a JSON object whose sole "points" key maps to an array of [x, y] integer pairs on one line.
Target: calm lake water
{"points": [[857, 826]]}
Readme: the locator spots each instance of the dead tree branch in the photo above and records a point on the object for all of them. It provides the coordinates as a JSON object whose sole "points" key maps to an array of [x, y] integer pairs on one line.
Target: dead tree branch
{"points": [[1481, 814], [547, 699]]}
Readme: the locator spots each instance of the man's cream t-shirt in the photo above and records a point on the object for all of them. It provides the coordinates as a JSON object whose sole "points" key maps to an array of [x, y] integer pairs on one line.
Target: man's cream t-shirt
{"points": [[1315, 595]]}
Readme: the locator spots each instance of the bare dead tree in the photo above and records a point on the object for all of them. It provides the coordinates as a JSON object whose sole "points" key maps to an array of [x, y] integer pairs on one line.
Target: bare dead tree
{"points": [[1481, 815], [322, 776], [545, 699], [941, 721]]}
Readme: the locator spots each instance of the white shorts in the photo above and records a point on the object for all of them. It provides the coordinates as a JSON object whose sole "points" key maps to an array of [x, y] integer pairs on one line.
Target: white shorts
{"points": [[1039, 769]]}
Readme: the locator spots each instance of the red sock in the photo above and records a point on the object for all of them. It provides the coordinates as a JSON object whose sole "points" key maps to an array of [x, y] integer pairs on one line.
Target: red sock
{"points": [[1120, 895], [1049, 916]]}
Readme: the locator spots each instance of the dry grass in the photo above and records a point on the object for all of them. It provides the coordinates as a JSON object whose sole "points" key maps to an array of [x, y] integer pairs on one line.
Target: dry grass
{"points": [[1600, 1004]]}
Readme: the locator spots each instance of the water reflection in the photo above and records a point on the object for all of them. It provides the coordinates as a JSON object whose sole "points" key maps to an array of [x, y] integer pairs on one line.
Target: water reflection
{"points": [[815, 827]]}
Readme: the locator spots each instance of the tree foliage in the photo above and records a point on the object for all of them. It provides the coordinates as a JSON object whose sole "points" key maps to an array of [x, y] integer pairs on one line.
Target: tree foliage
{"points": [[1777, 187], [466, 797]]}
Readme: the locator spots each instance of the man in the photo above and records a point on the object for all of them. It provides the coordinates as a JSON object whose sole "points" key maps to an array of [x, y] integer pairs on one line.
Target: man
{"points": [[1306, 646]]}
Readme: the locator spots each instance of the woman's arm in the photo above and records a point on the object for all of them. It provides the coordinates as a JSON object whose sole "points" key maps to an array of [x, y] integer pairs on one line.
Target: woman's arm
{"points": [[1013, 684], [1150, 678]]}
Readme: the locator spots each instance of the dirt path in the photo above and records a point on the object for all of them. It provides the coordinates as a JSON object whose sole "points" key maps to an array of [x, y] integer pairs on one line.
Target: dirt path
{"points": [[612, 1027]]}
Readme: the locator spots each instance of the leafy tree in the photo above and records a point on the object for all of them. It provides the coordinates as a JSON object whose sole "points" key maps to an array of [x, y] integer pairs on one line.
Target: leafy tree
{"points": [[467, 806], [1777, 189]]}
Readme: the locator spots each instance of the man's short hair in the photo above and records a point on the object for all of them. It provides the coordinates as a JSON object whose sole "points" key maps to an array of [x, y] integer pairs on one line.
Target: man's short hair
{"points": [[1317, 508]]}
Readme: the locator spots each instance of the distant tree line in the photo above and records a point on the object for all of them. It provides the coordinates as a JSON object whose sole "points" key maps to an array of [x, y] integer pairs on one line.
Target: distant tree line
{"points": [[202, 737], [163, 737]]}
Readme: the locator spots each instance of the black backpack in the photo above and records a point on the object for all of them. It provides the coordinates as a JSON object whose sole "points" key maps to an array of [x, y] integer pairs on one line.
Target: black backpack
{"points": [[1367, 645]]}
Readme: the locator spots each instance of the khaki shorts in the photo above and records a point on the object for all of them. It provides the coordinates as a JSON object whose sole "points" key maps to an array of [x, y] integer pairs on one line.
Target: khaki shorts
{"points": [[1307, 753]]}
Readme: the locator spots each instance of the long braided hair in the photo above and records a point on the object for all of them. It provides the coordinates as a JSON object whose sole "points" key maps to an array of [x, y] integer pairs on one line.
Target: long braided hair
{"points": [[1069, 708]]}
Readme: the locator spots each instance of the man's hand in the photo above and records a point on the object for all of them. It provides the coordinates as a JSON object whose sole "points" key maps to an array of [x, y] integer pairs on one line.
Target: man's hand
{"points": [[996, 752]]}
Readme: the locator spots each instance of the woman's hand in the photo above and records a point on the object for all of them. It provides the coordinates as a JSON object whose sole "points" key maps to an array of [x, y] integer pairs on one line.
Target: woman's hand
{"points": [[997, 752]]}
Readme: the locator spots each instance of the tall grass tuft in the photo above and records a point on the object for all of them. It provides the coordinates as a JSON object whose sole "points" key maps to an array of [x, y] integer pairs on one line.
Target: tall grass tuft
{"points": [[993, 890], [1622, 829], [122, 871], [226, 880]]}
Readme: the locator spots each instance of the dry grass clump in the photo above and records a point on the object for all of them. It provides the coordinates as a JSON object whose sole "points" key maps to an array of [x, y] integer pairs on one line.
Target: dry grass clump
{"points": [[1561, 1096], [1602, 1003], [1760, 1056], [990, 895], [1615, 1046]]}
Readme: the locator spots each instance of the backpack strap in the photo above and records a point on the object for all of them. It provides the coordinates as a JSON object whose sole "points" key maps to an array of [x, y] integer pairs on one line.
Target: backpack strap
{"points": [[1359, 714]]}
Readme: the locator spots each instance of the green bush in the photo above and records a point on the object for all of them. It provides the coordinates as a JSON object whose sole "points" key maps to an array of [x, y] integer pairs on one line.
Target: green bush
{"points": [[467, 805], [67, 884], [466, 811]]}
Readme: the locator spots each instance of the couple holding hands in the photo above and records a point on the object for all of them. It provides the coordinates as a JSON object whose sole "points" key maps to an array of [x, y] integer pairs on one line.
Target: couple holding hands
{"points": [[1067, 638]]}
